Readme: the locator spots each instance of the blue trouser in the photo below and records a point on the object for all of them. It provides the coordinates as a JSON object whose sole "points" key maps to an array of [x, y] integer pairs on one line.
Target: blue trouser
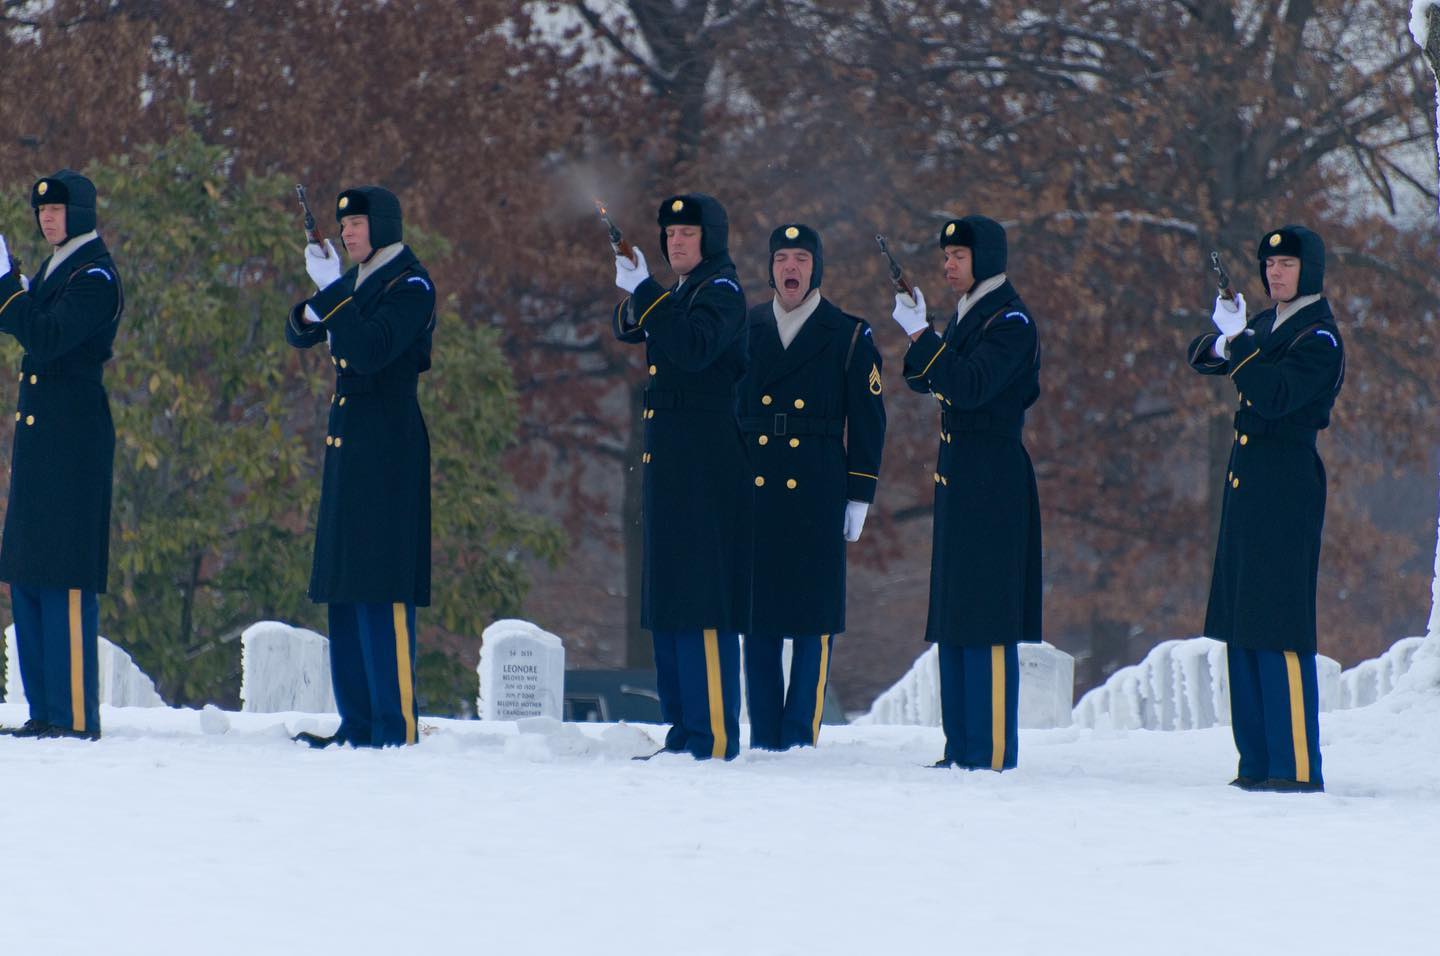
{"points": [[57, 637], [372, 668], [697, 674], [980, 705], [781, 719], [1275, 714]]}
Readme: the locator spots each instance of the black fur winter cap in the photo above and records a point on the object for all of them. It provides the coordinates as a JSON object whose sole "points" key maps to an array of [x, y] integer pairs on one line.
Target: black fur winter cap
{"points": [[696, 209], [985, 238], [383, 208], [73, 190], [1302, 244], [798, 236]]}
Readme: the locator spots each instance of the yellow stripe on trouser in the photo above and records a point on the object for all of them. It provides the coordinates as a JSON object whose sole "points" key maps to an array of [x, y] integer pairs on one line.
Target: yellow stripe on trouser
{"points": [[820, 687], [1297, 718], [997, 707], [403, 669], [714, 691], [77, 664]]}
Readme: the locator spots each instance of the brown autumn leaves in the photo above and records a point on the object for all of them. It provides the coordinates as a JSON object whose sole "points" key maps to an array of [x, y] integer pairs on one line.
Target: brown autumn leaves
{"points": [[1118, 141]]}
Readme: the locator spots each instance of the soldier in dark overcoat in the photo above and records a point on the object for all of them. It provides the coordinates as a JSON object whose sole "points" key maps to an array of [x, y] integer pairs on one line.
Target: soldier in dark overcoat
{"points": [[372, 537], [55, 554], [695, 593], [984, 372], [1287, 364], [813, 414]]}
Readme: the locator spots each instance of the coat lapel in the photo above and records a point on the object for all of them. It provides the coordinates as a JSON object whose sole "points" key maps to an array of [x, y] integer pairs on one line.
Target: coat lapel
{"points": [[811, 338], [55, 281], [366, 295]]}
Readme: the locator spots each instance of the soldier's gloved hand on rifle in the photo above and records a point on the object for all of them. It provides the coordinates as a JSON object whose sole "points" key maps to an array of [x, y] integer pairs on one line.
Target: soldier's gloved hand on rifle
{"points": [[322, 263], [1229, 318], [855, 512], [629, 275], [911, 317]]}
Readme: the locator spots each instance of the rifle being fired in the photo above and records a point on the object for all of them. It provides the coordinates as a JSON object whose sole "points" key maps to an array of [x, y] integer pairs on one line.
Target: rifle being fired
{"points": [[312, 232], [617, 241], [897, 274]]}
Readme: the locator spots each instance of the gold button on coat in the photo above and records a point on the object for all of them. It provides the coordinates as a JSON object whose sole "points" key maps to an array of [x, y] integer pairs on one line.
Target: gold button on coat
{"points": [[759, 481], [764, 439], [1234, 482], [799, 403], [794, 443], [17, 416], [1244, 439], [329, 439], [652, 370], [343, 363], [29, 419], [34, 379], [337, 441], [766, 399], [342, 399], [790, 483]]}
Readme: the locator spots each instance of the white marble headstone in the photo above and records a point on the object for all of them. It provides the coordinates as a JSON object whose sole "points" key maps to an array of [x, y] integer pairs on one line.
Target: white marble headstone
{"points": [[284, 668], [121, 682], [522, 672], [1047, 686]]}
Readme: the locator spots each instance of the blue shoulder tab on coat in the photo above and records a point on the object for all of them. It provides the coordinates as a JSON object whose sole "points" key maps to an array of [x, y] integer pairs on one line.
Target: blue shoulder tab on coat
{"points": [[99, 272], [422, 282], [726, 281], [1333, 341], [1017, 315]]}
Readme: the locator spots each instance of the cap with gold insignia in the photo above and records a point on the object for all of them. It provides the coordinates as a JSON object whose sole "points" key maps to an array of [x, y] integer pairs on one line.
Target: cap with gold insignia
{"points": [[72, 190], [1302, 244], [695, 209], [380, 205], [984, 237], [799, 236]]}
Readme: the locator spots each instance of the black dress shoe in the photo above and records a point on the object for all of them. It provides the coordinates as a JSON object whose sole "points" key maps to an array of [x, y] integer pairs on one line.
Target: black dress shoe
{"points": [[1247, 783], [31, 728], [315, 740], [52, 732], [1286, 785]]}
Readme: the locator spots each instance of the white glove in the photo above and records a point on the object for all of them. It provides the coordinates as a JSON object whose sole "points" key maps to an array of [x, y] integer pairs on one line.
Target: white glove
{"points": [[855, 512], [910, 315], [1229, 317], [629, 275], [322, 263], [4, 258], [310, 316]]}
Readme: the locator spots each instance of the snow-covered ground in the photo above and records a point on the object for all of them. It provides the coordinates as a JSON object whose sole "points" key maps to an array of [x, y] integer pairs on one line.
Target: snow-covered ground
{"points": [[165, 838]]}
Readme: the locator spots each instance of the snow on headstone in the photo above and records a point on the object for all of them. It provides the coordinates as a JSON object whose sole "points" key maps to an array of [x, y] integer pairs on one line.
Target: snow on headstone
{"points": [[1368, 681], [284, 668], [122, 683], [1180, 685], [1047, 687], [522, 672]]}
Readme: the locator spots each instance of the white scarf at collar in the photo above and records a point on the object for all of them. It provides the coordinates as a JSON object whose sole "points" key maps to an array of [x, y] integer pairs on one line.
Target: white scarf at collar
{"points": [[66, 249], [789, 324], [382, 258], [968, 300], [1287, 309]]}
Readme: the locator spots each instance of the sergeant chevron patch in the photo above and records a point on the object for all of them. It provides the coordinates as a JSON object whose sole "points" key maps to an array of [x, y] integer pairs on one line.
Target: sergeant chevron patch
{"points": [[875, 386]]}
